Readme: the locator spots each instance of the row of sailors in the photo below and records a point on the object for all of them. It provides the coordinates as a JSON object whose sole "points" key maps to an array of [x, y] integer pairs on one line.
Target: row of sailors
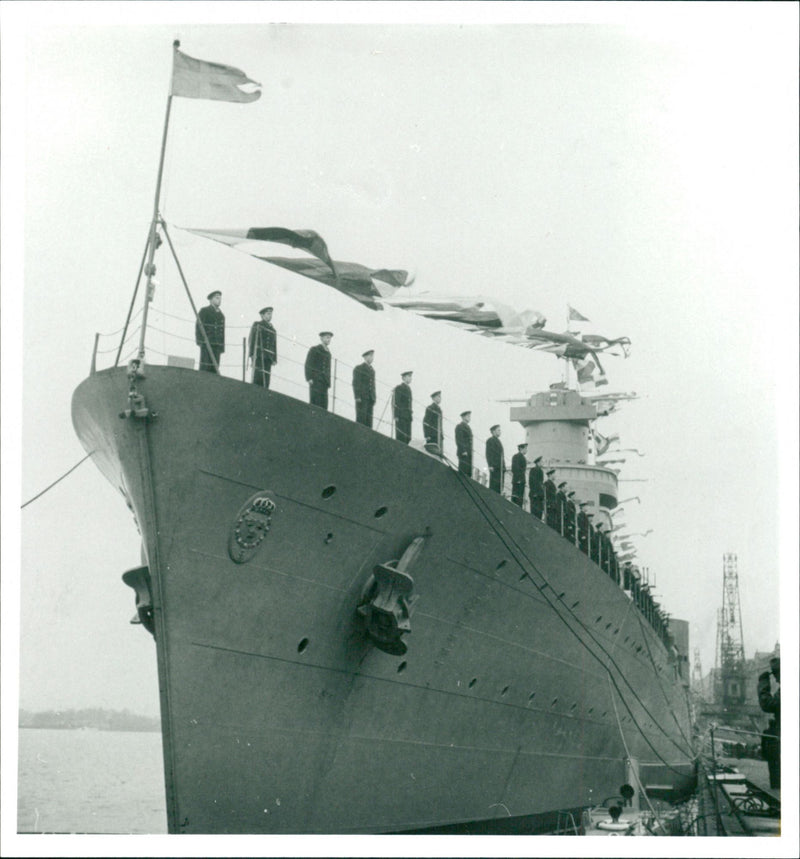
{"points": [[549, 502]]}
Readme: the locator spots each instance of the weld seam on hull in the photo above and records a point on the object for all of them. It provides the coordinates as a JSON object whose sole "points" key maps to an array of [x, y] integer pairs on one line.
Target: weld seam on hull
{"points": [[392, 681]]}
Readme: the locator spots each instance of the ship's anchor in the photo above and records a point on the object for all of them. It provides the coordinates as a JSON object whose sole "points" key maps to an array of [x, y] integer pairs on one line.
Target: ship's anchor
{"points": [[139, 579], [137, 407], [388, 599]]}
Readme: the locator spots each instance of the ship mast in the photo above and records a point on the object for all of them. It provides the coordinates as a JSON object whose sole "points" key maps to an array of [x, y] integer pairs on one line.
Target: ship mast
{"points": [[153, 239], [150, 268]]}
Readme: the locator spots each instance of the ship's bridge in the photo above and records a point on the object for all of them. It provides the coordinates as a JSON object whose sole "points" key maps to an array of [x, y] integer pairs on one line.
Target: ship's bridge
{"points": [[558, 428]]}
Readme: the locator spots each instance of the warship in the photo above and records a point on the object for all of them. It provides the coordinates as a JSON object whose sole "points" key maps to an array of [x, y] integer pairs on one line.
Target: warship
{"points": [[354, 636]]}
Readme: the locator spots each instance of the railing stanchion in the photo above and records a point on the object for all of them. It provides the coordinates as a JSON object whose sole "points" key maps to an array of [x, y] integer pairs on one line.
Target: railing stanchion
{"points": [[93, 368]]}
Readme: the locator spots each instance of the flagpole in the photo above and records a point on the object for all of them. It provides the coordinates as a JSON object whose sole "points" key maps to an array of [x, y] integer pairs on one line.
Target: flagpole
{"points": [[150, 268], [566, 360]]}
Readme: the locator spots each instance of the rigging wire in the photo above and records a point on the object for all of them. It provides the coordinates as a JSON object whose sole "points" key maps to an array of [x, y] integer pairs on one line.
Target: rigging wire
{"points": [[48, 488], [634, 770], [496, 528], [658, 680]]}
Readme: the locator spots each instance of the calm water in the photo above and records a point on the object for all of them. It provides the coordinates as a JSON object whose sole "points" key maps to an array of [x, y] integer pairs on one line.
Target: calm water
{"points": [[90, 781]]}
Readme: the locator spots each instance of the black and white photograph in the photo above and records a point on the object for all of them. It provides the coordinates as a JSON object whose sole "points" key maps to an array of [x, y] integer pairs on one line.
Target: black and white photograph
{"points": [[399, 428]]}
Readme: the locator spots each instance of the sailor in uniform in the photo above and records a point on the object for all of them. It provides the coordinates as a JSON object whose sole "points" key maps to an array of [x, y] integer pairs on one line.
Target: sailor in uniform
{"points": [[519, 465], [594, 542], [561, 506], [432, 422], [569, 517], [536, 487], [364, 388], [464, 444], [262, 347], [318, 370], [211, 320], [401, 404], [602, 547], [550, 499], [584, 526], [495, 459]]}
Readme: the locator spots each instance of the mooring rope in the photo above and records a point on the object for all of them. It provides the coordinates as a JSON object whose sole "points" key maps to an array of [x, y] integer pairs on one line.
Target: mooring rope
{"points": [[58, 480]]}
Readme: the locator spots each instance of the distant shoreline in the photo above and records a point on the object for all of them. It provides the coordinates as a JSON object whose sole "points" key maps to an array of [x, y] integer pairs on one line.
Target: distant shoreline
{"points": [[93, 719], [155, 730]]}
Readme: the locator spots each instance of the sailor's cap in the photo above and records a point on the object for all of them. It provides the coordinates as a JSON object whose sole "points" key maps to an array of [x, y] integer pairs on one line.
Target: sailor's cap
{"points": [[467, 412], [537, 460], [585, 503], [436, 394], [562, 484], [570, 493], [494, 427], [323, 333], [368, 352], [521, 446], [212, 294], [551, 471], [406, 373], [264, 310]]}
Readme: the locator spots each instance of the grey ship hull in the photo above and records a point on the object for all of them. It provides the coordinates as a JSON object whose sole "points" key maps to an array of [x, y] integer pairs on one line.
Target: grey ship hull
{"points": [[530, 683]]}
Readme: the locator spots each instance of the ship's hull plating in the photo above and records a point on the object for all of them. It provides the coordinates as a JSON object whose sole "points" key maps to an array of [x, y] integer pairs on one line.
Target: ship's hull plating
{"points": [[529, 683]]}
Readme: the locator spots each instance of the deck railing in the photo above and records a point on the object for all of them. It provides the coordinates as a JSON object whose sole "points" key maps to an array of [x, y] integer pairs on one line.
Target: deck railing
{"points": [[169, 343]]}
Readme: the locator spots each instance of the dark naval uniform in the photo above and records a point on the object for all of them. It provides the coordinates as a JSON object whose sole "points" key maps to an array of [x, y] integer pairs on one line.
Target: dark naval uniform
{"points": [[771, 738], [536, 490], [584, 527], [212, 319], [495, 461], [594, 545], [569, 519], [262, 347], [432, 425], [401, 402], [464, 448], [318, 375], [519, 465], [561, 509], [550, 503], [364, 392]]}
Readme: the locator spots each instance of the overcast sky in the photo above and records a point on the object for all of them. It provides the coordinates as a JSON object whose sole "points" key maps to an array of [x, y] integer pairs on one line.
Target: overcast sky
{"points": [[638, 163]]}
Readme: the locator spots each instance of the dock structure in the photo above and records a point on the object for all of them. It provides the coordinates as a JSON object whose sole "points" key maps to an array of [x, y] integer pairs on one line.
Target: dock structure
{"points": [[732, 804]]}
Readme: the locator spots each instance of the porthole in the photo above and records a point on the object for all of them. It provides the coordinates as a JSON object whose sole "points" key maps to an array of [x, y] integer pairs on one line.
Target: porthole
{"points": [[328, 491], [302, 646], [381, 511]]}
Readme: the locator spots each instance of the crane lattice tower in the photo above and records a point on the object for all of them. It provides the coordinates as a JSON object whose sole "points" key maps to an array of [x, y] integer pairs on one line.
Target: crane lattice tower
{"points": [[730, 673]]}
